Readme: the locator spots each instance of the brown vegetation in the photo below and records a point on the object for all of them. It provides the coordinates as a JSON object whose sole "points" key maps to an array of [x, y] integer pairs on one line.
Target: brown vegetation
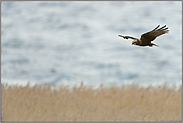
{"points": [[123, 103]]}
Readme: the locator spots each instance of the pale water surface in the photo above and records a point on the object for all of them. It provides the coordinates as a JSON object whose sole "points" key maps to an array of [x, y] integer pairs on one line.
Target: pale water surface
{"points": [[67, 42]]}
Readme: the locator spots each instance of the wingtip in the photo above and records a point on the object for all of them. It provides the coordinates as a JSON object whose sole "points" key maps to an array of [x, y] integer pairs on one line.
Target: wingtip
{"points": [[156, 28]]}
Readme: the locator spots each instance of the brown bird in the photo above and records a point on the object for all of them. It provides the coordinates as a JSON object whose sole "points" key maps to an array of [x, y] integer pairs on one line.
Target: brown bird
{"points": [[146, 38]]}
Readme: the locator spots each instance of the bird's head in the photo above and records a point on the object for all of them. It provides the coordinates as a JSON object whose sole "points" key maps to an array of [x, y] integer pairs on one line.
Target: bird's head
{"points": [[134, 43]]}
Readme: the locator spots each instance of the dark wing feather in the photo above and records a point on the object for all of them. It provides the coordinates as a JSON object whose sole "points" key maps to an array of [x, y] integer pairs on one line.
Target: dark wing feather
{"points": [[126, 37], [155, 28], [150, 36]]}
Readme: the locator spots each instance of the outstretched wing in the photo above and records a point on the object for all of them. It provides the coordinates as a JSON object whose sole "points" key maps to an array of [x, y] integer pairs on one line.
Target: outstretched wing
{"points": [[150, 36], [127, 37]]}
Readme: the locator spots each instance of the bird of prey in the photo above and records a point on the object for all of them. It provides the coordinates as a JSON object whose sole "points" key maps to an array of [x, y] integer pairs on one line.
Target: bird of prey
{"points": [[146, 38]]}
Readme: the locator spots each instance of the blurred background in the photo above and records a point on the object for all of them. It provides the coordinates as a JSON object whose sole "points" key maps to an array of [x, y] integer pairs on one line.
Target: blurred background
{"points": [[69, 42]]}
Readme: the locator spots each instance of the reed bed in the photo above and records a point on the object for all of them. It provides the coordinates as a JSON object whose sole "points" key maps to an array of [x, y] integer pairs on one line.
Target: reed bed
{"points": [[84, 103]]}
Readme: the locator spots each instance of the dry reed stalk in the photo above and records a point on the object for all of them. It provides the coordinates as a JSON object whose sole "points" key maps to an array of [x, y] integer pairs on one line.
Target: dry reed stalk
{"points": [[124, 103]]}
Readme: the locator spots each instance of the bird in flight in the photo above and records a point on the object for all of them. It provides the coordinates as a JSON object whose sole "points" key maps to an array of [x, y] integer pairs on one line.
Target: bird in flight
{"points": [[146, 38]]}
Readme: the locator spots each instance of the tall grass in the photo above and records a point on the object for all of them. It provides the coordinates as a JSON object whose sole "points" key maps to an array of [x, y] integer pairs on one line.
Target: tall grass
{"points": [[84, 103]]}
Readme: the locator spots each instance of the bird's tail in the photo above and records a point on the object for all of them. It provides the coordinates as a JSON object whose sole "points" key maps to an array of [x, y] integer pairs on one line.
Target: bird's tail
{"points": [[154, 44]]}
